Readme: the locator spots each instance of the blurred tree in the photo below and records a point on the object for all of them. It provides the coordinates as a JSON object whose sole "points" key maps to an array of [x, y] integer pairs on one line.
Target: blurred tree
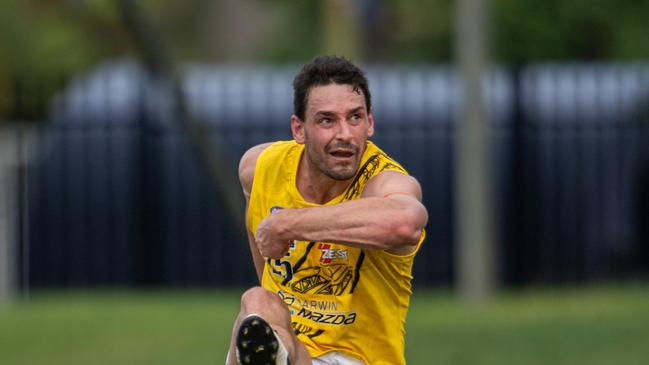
{"points": [[529, 30], [45, 37], [42, 41], [237, 29], [297, 35], [421, 31], [39, 36]]}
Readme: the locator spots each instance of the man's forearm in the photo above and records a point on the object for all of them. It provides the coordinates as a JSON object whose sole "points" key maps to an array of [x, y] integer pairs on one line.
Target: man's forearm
{"points": [[376, 223]]}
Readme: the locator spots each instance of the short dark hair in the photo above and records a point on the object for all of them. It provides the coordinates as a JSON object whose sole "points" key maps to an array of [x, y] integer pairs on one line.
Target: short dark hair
{"points": [[325, 70]]}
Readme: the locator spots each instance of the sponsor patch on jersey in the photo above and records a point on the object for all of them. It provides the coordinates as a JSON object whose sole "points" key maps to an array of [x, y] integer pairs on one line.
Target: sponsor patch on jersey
{"points": [[322, 305], [328, 318], [329, 254]]}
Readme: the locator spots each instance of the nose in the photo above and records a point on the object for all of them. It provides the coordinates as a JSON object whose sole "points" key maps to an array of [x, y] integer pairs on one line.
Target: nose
{"points": [[344, 131]]}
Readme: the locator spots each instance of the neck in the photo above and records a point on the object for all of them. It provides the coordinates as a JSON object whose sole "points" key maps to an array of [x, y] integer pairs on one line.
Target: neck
{"points": [[316, 187]]}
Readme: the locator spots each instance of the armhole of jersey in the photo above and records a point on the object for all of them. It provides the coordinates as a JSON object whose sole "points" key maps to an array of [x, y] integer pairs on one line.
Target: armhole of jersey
{"points": [[255, 181]]}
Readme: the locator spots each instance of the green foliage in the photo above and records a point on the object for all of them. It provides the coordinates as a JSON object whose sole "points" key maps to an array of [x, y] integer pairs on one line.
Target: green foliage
{"points": [[44, 42], [529, 30], [422, 31], [297, 33], [54, 36], [38, 37]]}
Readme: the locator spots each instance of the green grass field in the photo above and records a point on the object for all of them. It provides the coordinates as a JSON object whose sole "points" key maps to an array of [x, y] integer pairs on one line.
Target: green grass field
{"points": [[579, 326]]}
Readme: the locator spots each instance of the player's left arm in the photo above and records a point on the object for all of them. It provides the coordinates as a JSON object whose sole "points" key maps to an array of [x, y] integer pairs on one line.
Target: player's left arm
{"points": [[388, 216]]}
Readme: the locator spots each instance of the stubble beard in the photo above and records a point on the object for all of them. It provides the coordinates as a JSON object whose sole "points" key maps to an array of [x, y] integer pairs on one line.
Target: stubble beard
{"points": [[330, 171]]}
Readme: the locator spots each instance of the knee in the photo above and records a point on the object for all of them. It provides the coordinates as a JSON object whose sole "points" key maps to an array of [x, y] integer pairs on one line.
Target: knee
{"points": [[258, 297]]}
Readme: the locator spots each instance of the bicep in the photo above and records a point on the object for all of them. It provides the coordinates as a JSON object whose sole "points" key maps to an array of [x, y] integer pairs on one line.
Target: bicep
{"points": [[393, 184], [402, 193]]}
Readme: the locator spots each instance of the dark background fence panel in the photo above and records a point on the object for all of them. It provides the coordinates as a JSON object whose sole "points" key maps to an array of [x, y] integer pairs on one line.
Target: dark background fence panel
{"points": [[117, 196]]}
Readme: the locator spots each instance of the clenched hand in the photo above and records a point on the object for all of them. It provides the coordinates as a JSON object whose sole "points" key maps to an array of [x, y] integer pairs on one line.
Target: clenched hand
{"points": [[269, 242]]}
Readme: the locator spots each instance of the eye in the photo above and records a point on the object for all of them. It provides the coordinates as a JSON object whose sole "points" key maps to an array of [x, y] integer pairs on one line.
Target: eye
{"points": [[355, 118], [325, 122]]}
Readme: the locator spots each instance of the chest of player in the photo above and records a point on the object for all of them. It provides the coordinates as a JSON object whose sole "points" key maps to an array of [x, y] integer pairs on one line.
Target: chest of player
{"points": [[317, 268]]}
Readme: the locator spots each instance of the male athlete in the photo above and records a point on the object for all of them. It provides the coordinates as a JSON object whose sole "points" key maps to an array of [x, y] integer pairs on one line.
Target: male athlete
{"points": [[333, 225]]}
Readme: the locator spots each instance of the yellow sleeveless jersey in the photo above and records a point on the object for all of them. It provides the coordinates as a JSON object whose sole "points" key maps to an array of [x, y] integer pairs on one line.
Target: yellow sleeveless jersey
{"points": [[341, 298]]}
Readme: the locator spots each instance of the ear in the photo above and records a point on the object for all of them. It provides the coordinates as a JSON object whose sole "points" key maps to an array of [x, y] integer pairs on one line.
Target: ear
{"points": [[370, 120], [297, 128]]}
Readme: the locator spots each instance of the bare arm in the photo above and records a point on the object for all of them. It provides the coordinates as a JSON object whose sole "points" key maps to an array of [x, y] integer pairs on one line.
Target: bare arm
{"points": [[389, 216], [246, 177]]}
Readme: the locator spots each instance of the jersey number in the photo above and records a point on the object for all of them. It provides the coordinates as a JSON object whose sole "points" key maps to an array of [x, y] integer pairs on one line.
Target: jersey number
{"points": [[282, 268]]}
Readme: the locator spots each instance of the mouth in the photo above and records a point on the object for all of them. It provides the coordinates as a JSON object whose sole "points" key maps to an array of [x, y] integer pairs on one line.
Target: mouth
{"points": [[342, 153]]}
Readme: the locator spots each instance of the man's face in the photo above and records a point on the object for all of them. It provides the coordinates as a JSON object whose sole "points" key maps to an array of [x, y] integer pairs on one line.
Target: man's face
{"points": [[335, 128]]}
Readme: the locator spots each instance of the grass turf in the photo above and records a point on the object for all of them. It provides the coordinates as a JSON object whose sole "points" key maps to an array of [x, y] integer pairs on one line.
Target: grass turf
{"points": [[560, 327]]}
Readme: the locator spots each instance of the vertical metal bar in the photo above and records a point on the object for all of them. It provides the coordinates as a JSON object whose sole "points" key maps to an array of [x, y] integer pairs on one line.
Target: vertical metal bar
{"points": [[23, 162], [7, 269], [475, 255], [340, 29]]}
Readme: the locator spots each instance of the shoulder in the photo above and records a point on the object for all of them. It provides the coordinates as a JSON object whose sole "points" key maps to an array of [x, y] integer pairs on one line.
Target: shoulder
{"points": [[381, 160], [386, 176], [251, 155], [247, 165]]}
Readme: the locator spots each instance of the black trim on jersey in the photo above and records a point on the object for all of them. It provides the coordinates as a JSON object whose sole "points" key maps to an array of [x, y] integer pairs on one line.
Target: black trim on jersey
{"points": [[357, 274], [299, 263], [316, 333], [353, 187]]}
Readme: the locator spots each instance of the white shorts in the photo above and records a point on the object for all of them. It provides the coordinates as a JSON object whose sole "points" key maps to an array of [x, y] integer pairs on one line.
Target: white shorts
{"points": [[332, 358], [336, 358]]}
